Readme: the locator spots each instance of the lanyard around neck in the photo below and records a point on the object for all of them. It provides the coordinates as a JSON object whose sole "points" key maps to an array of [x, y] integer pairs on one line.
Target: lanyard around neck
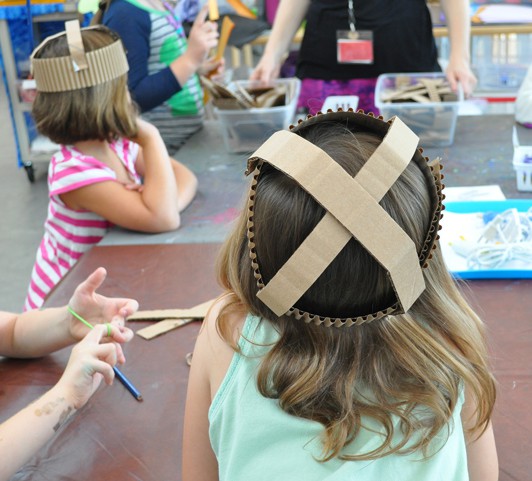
{"points": [[351, 12], [171, 17]]}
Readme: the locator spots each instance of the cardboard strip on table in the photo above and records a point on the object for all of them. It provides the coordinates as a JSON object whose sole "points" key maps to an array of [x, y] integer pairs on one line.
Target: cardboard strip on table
{"points": [[162, 327], [338, 193], [196, 312]]}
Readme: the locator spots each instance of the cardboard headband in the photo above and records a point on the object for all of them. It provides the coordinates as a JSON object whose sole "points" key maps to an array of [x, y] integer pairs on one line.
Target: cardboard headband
{"points": [[80, 69], [352, 210]]}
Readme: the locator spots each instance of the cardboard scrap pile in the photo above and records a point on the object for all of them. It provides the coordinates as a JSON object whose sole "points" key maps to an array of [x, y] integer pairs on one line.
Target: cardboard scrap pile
{"points": [[241, 98], [424, 90]]}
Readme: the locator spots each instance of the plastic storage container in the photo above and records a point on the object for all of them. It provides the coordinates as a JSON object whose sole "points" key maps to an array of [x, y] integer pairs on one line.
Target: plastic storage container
{"points": [[245, 130], [433, 122], [507, 77]]}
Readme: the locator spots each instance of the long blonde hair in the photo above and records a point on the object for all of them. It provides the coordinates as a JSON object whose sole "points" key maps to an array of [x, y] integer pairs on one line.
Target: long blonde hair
{"points": [[421, 359]]}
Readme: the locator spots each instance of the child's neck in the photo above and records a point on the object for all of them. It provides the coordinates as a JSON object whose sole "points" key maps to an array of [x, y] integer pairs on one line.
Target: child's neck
{"points": [[99, 149], [155, 4]]}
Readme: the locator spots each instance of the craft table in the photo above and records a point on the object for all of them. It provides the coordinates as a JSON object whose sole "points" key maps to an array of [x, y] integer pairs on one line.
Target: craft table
{"points": [[116, 438]]}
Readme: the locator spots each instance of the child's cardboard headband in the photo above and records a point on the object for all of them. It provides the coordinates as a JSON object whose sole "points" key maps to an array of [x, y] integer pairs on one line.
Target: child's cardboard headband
{"points": [[80, 69], [353, 210]]}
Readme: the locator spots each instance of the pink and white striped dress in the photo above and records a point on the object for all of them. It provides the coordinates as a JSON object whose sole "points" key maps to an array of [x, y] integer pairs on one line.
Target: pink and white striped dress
{"points": [[69, 233]]}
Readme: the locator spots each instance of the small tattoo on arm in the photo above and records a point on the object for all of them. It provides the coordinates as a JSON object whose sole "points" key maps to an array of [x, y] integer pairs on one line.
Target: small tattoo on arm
{"points": [[50, 407], [64, 416]]}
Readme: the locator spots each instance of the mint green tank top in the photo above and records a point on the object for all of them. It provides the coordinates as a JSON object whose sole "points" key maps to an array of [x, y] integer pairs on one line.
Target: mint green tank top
{"points": [[255, 440]]}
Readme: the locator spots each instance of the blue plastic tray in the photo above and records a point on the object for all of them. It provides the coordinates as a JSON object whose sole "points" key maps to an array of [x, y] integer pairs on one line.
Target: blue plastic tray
{"points": [[522, 205]]}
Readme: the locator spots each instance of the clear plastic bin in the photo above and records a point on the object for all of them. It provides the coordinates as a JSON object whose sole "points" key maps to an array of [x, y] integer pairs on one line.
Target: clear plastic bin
{"points": [[433, 122], [507, 77], [523, 174], [245, 130], [522, 163]]}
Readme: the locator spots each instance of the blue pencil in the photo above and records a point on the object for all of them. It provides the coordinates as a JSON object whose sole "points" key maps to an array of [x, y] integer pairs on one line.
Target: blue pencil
{"points": [[127, 383]]}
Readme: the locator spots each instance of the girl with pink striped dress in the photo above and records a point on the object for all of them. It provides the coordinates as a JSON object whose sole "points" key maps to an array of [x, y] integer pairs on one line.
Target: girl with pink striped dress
{"points": [[112, 167]]}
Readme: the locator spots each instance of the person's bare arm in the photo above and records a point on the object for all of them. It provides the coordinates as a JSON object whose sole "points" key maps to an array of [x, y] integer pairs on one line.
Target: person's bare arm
{"points": [[154, 208], [482, 461], [186, 181], [187, 184], [198, 459], [458, 23], [40, 332], [210, 362], [288, 18], [28, 430], [202, 39]]}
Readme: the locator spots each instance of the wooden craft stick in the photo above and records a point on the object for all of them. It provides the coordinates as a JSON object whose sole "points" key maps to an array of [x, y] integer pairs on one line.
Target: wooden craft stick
{"points": [[213, 10], [161, 327], [241, 9], [196, 312], [227, 28]]}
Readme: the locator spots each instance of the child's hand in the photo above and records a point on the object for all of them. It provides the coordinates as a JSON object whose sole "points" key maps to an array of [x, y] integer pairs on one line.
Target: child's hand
{"points": [[89, 362], [267, 69], [146, 132], [134, 187], [212, 67], [202, 38], [98, 309]]}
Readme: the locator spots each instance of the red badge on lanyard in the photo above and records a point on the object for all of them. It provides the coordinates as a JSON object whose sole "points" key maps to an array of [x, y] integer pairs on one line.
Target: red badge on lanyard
{"points": [[354, 46]]}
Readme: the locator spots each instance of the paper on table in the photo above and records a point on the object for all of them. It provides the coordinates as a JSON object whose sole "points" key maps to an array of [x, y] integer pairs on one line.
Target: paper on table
{"points": [[474, 192]]}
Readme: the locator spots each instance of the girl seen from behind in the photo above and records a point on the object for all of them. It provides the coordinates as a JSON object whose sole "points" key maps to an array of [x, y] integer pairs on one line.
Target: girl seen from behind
{"points": [[342, 348], [112, 167]]}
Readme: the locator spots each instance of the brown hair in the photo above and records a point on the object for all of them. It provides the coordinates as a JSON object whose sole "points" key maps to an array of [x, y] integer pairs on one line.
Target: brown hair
{"points": [[421, 359], [97, 18], [101, 112]]}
